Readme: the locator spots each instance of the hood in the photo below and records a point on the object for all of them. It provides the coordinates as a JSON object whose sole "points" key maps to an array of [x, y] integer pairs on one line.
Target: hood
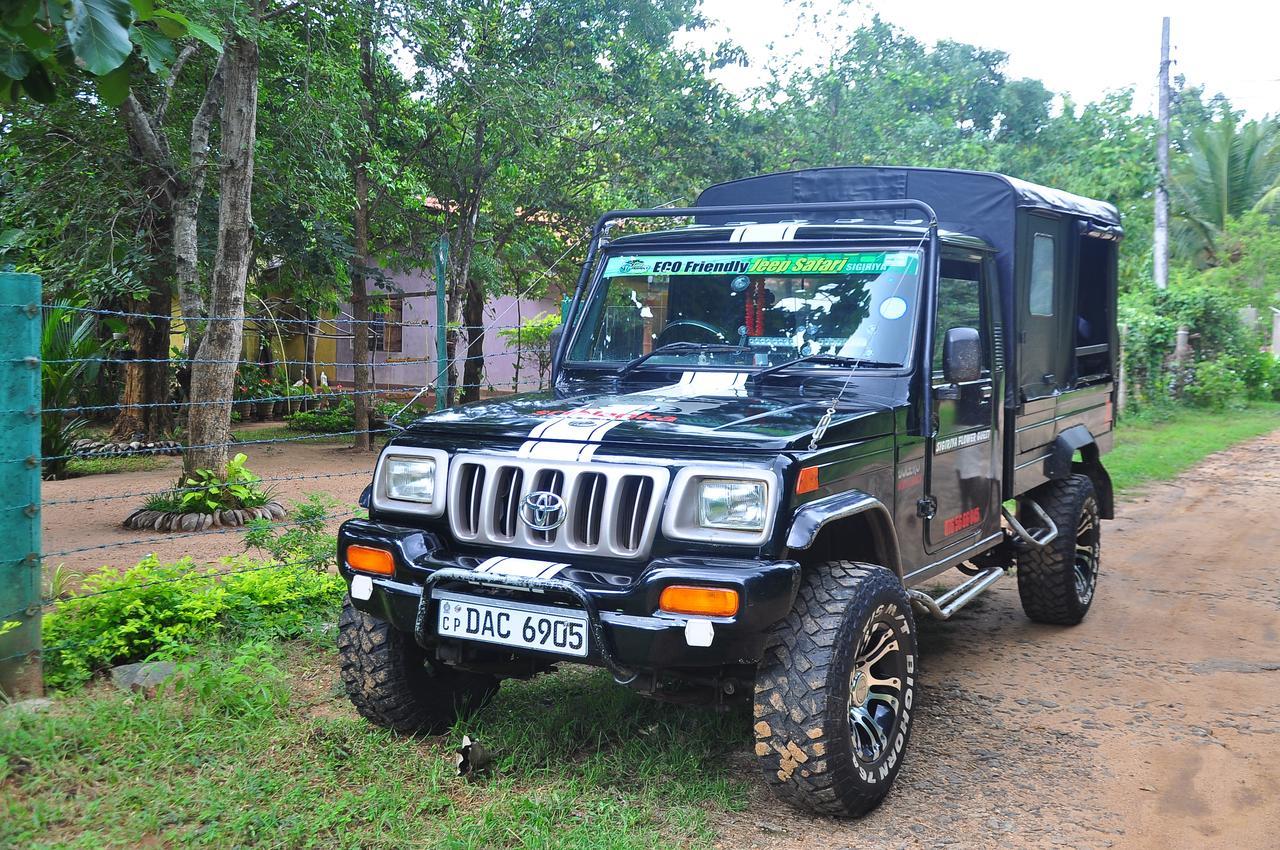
{"points": [[709, 411]]}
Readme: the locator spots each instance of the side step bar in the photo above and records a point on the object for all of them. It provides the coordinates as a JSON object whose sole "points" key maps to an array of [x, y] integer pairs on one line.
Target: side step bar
{"points": [[957, 597], [1037, 539]]}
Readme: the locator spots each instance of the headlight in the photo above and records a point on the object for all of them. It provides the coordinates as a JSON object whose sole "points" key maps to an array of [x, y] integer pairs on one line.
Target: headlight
{"points": [[411, 479], [731, 504]]}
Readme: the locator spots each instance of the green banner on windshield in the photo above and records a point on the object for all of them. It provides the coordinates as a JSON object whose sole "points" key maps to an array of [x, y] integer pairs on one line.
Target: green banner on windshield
{"points": [[874, 262]]}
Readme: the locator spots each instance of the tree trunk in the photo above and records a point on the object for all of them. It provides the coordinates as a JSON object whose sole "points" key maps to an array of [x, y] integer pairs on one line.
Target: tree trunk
{"points": [[458, 288], [190, 191], [360, 247], [146, 382], [473, 319], [212, 383], [309, 377]]}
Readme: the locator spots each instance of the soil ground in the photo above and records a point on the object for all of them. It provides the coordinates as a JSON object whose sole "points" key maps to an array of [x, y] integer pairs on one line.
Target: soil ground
{"points": [[1154, 724], [81, 516]]}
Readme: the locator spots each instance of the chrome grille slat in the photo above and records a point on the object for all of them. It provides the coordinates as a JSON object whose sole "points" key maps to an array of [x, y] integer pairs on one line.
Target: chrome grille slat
{"points": [[613, 509]]}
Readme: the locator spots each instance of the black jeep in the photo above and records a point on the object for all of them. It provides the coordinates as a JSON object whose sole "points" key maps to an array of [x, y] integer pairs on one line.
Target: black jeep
{"points": [[767, 429]]}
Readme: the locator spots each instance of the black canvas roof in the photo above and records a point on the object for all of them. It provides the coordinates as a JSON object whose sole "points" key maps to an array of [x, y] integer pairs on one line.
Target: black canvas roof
{"points": [[976, 202]]}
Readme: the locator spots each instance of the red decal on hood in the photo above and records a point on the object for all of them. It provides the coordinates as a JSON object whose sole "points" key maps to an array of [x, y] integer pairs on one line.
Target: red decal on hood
{"points": [[621, 416]]}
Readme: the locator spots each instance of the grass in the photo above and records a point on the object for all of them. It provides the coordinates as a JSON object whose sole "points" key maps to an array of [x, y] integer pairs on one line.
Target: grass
{"points": [[109, 465], [282, 432], [1157, 449], [579, 763]]}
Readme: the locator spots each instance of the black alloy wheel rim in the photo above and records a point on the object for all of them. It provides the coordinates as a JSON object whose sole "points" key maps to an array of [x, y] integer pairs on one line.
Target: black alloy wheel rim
{"points": [[1088, 544], [876, 686]]}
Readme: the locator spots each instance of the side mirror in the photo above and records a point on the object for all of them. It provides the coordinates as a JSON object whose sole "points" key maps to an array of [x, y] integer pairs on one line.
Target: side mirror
{"points": [[962, 356]]}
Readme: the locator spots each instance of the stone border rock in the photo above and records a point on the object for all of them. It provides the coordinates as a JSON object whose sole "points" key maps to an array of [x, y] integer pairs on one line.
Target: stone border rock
{"points": [[164, 521], [98, 448]]}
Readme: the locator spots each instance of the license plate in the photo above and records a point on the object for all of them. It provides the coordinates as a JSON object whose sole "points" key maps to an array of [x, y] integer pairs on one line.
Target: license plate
{"points": [[511, 624]]}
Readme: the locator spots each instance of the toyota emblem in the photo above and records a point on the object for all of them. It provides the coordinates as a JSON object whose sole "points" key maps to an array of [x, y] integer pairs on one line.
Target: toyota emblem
{"points": [[543, 510]]}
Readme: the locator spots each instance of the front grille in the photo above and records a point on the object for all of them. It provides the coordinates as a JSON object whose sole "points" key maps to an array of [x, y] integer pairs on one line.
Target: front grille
{"points": [[611, 510]]}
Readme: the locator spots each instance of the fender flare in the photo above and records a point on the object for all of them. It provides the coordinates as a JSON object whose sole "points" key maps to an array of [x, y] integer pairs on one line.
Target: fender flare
{"points": [[1058, 464], [809, 519]]}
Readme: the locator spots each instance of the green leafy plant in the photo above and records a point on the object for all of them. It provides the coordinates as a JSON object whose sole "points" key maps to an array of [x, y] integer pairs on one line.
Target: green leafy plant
{"points": [[71, 356], [331, 421], [532, 336], [206, 491], [1215, 384], [301, 537], [168, 610], [99, 38], [245, 685]]}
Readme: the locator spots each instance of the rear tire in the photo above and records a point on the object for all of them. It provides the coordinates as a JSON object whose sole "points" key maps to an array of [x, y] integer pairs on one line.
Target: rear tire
{"points": [[1057, 584], [391, 682], [834, 691]]}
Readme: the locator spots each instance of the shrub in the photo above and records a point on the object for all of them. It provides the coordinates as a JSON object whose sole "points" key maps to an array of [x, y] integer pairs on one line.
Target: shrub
{"points": [[301, 538], [332, 421], [1214, 384], [169, 609], [246, 685], [342, 418]]}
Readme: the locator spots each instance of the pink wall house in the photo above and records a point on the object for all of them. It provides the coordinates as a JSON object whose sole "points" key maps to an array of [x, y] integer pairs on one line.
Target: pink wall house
{"points": [[406, 349]]}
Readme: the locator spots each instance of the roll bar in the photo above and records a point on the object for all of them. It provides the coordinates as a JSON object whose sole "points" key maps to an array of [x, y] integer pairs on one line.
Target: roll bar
{"points": [[930, 281]]}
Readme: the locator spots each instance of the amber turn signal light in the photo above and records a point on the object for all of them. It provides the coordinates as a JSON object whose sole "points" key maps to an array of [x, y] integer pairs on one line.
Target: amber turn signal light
{"points": [[808, 480], [366, 559], [700, 601]]}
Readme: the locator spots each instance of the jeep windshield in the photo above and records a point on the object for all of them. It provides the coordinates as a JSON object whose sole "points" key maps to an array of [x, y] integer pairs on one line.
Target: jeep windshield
{"points": [[752, 309]]}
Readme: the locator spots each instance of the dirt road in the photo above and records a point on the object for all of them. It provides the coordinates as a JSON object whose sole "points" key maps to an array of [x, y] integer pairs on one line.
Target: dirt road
{"points": [[1154, 724]]}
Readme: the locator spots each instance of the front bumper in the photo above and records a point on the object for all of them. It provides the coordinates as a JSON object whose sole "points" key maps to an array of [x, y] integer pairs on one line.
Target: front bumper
{"points": [[628, 632]]}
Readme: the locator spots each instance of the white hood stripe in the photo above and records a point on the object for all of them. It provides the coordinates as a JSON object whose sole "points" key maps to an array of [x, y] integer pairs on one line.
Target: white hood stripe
{"points": [[576, 437]]}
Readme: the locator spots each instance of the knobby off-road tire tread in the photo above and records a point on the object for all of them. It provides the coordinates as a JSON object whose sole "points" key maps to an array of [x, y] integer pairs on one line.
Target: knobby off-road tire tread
{"points": [[794, 697], [1046, 577], [385, 678]]}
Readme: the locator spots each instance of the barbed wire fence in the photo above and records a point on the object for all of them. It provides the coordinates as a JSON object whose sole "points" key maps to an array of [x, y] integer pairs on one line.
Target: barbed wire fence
{"points": [[65, 501]]}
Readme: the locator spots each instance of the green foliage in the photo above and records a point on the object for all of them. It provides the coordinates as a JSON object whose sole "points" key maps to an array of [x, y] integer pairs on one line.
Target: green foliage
{"points": [[1215, 384], [1152, 318], [245, 685], [342, 417], [1230, 169], [331, 420], [206, 491], [301, 537], [71, 355], [42, 43], [532, 337], [169, 609]]}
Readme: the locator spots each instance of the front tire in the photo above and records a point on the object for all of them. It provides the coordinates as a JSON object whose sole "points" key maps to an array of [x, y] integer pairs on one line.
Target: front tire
{"points": [[1057, 584], [391, 682], [834, 691]]}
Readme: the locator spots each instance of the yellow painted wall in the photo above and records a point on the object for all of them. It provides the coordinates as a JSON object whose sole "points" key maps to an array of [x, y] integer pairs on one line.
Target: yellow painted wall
{"points": [[294, 346]]}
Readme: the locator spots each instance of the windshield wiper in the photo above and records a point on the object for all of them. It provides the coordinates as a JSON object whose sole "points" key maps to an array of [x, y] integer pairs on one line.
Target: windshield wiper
{"points": [[826, 359], [682, 348]]}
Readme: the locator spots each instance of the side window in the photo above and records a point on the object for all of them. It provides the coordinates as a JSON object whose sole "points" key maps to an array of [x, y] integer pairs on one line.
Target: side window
{"points": [[1040, 302], [959, 306]]}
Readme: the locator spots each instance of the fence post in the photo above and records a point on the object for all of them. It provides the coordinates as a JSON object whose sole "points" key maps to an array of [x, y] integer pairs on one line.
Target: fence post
{"points": [[442, 323], [20, 666]]}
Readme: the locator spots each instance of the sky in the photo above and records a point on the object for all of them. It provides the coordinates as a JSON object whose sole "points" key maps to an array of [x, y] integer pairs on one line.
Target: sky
{"points": [[1084, 49]]}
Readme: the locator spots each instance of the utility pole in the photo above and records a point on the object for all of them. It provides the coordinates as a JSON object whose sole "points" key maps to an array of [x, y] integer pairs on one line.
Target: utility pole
{"points": [[1160, 265]]}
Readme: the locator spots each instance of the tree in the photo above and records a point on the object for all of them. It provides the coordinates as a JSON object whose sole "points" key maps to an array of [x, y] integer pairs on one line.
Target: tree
{"points": [[213, 371], [1229, 169]]}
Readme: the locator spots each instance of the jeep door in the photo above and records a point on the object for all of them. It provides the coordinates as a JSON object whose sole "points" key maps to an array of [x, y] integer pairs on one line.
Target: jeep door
{"points": [[962, 463]]}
